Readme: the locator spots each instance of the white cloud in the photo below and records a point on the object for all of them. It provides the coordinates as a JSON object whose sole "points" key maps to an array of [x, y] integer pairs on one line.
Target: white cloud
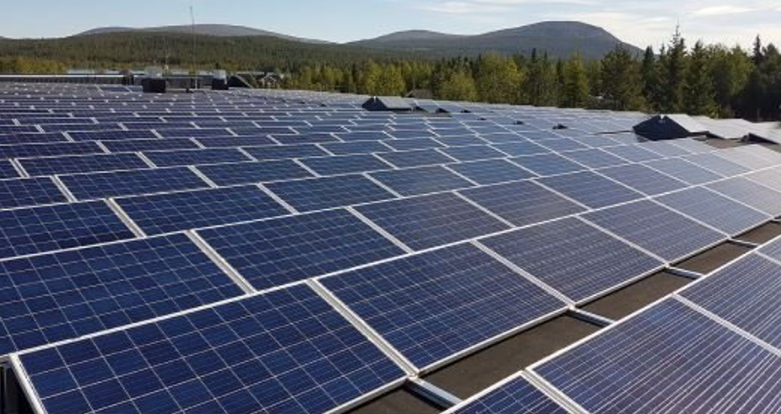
{"points": [[722, 10]]}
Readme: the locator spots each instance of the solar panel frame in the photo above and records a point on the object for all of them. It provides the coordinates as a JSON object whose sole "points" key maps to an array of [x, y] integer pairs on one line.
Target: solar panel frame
{"points": [[514, 394], [29, 192]]}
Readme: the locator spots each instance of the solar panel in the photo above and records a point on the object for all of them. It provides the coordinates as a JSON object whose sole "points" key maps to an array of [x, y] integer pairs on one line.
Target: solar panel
{"points": [[166, 213], [407, 135], [232, 142], [286, 351], [667, 360], [715, 210], [82, 164], [432, 221], [25, 192], [504, 138], [416, 181], [136, 145], [461, 140], [432, 306], [751, 194], [634, 153], [112, 135], [191, 157], [346, 164], [643, 179], [515, 149], [49, 150], [412, 144], [285, 151], [573, 257], [548, 164], [253, 172], [769, 178], [363, 136], [684, 171], [277, 252], [64, 295], [594, 158], [717, 164], [522, 203], [324, 193], [491, 171], [656, 229], [306, 138], [47, 228], [772, 250], [358, 147], [692, 145], [39, 138], [193, 133], [7, 170], [591, 189], [126, 183], [746, 294], [665, 148], [473, 153], [515, 395], [418, 158]]}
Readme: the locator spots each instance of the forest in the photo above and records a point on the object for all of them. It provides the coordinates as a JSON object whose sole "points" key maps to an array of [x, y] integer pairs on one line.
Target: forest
{"points": [[698, 79]]}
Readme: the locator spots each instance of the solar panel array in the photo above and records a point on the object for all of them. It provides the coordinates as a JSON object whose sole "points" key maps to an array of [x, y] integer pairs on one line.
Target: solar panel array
{"points": [[278, 251]]}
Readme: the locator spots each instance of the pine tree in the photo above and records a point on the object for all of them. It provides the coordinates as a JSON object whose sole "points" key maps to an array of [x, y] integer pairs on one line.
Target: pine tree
{"points": [[621, 81], [699, 95], [649, 76], [757, 55], [673, 75], [576, 89]]}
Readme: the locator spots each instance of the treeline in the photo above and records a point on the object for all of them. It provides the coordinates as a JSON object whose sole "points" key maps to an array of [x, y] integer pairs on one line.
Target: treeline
{"points": [[711, 80]]}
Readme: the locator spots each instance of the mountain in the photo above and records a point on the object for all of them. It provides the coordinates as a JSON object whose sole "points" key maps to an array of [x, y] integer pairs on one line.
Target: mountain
{"points": [[218, 30], [559, 39]]}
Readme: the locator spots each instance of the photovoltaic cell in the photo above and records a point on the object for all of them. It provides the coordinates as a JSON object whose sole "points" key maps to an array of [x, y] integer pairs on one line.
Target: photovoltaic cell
{"points": [[643, 179], [514, 396], [418, 158], [515, 149], [112, 135], [82, 164], [573, 257], [347, 164], [64, 295], [7, 170], [717, 164], [136, 145], [285, 151], [412, 144], [324, 193], [193, 133], [668, 360], [49, 150], [561, 144], [286, 351], [684, 171], [358, 147], [232, 142], [491, 171], [664, 148], [277, 252], [548, 164], [591, 189], [461, 140], [715, 210], [633, 153], [253, 172], [126, 183], [48, 228], [421, 180], [437, 304], [522, 203], [431, 221], [750, 193], [656, 229], [473, 153], [193, 157], [26, 192], [692, 145], [166, 213]]}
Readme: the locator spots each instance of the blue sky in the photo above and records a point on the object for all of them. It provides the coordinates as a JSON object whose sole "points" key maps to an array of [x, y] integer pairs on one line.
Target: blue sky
{"points": [[638, 22]]}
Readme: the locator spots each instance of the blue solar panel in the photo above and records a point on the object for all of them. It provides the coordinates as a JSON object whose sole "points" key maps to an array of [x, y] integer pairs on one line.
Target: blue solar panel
{"points": [[473, 153], [747, 294], [192, 157], [669, 359], [664, 148], [461, 140], [253, 172], [283, 352], [634, 153], [13, 139], [49, 150], [27, 192], [406, 135], [7, 170], [643, 179], [548, 164], [715, 210], [523, 203], [112, 135], [126, 183], [591, 189], [514, 396], [751, 194], [277, 252], [594, 158], [135, 145], [286, 151], [307, 138], [772, 250], [412, 144], [491, 171], [82, 164], [166, 213], [432, 306], [562, 144], [324, 193], [418, 158], [692, 145], [421, 180], [363, 136], [717, 164], [684, 171], [59, 296], [346, 164], [432, 221], [505, 138], [358, 147], [515, 149], [572, 257], [47, 228], [656, 229], [193, 133], [230, 142]]}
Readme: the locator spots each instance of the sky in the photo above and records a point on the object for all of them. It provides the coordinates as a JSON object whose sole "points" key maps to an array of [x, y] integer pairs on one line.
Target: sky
{"points": [[639, 22]]}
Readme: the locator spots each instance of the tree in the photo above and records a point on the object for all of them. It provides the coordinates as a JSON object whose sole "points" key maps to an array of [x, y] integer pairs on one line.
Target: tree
{"points": [[368, 77], [539, 85], [757, 55], [649, 76], [389, 82], [621, 81], [498, 79], [672, 75], [730, 70], [576, 89], [699, 94], [460, 86]]}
